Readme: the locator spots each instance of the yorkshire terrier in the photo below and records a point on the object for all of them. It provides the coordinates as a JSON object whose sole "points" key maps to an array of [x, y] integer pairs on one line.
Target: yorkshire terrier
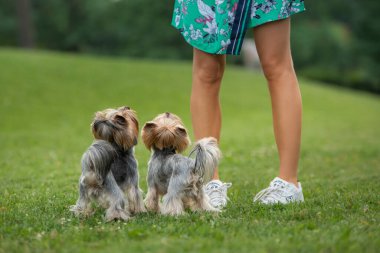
{"points": [[177, 178], [109, 168]]}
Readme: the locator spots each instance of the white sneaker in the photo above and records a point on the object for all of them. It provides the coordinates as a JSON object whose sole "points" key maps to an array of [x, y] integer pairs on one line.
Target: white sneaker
{"points": [[217, 193], [280, 192]]}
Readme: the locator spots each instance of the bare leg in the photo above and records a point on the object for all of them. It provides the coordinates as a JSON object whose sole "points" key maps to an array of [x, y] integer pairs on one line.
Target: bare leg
{"points": [[208, 72], [273, 46]]}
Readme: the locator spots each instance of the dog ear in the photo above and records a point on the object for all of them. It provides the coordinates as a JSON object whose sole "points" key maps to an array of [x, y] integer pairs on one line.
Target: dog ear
{"points": [[148, 135], [181, 131], [120, 120], [149, 126], [182, 141], [130, 116], [134, 125]]}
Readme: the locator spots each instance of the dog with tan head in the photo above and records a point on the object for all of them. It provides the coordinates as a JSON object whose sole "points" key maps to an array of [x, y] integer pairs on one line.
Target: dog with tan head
{"points": [[179, 179], [109, 168]]}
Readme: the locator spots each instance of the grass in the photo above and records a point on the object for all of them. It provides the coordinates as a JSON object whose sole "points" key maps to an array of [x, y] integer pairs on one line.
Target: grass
{"points": [[47, 103]]}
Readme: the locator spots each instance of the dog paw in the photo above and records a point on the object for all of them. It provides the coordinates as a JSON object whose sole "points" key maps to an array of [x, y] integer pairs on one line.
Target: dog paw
{"points": [[116, 214], [151, 206], [209, 208], [136, 208], [139, 209], [81, 211], [172, 212]]}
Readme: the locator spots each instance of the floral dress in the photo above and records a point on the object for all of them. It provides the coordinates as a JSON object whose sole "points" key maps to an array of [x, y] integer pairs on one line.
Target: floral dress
{"points": [[219, 26]]}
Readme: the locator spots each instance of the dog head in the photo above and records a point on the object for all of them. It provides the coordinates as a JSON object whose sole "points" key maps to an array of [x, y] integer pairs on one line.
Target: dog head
{"points": [[119, 126], [165, 131]]}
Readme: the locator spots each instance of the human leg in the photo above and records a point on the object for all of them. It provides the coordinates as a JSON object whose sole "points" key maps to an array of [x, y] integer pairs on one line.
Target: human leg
{"points": [[273, 46], [205, 109], [206, 115]]}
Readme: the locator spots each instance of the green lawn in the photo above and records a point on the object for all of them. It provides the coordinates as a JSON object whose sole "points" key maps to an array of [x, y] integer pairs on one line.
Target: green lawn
{"points": [[48, 101]]}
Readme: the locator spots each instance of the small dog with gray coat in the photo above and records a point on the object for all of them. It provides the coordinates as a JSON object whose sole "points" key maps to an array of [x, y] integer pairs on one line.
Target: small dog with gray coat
{"points": [[177, 178], [109, 168]]}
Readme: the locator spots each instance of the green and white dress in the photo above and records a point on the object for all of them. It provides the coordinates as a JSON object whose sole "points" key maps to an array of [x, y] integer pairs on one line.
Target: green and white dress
{"points": [[219, 26]]}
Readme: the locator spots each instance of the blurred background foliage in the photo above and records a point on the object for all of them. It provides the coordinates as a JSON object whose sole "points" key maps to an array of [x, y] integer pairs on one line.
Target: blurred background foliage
{"points": [[337, 42]]}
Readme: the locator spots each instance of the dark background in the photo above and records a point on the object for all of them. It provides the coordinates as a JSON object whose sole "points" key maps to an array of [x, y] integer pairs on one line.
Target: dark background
{"points": [[334, 41]]}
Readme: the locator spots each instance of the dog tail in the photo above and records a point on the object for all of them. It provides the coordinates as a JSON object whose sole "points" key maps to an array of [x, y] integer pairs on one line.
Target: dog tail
{"points": [[207, 156], [96, 162]]}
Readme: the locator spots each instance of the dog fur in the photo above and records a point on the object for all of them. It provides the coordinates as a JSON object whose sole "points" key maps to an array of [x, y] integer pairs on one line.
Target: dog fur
{"points": [[109, 168], [177, 178]]}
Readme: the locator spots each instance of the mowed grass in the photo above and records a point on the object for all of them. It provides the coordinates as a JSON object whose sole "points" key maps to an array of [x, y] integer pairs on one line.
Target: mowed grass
{"points": [[47, 102]]}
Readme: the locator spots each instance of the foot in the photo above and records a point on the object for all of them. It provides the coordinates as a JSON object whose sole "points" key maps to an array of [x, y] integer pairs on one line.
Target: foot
{"points": [[217, 193], [151, 201], [280, 192], [81, 211], [116, 214], [172, 205], [135, 202]]}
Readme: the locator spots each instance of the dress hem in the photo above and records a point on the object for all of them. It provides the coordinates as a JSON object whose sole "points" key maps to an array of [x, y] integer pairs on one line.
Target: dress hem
{"points": [[223, 52], [278, 19]]}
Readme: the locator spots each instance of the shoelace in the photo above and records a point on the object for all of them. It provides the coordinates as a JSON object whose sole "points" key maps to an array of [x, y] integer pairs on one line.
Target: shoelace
{"points": [[272, 192], [218, 195]]}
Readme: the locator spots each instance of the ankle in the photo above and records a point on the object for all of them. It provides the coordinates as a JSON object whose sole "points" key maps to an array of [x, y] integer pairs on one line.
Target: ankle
{"points": [[215, 176], [292, 180]]}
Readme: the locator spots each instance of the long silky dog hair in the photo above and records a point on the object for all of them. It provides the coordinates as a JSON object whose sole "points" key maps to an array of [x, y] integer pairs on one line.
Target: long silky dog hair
{"points": [[179, 179], [109, 168]]}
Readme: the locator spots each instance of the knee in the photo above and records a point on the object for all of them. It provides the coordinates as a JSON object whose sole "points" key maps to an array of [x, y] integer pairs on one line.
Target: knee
{"points": [[208, 75], [275, 70]]}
